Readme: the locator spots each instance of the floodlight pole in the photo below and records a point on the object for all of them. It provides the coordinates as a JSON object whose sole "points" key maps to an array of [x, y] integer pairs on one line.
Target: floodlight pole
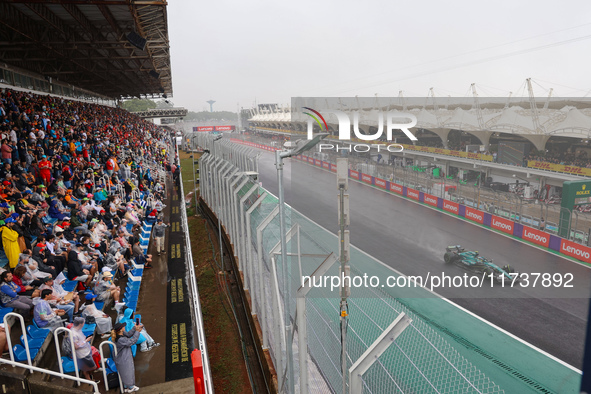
{"points": [[279, 156]]}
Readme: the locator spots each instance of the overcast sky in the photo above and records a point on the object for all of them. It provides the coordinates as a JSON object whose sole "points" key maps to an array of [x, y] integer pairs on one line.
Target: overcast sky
{"points": [[242, 52]]}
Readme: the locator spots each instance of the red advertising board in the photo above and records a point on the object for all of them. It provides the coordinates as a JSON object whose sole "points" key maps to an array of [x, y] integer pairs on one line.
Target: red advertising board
{"points": [[451, 206], [333, 167], [575, 250], [429, 199], [396, 188], [412, 193], [380, 183], [224, 128], [366, 178], [474, 214], [354, 174], [311, 160], [536, 236], [502, 224], [203, 128], [318, 162], [326, 165]]}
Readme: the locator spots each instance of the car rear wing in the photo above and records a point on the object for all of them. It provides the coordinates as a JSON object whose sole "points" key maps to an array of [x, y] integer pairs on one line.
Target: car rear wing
{"points": [[454, 248]]}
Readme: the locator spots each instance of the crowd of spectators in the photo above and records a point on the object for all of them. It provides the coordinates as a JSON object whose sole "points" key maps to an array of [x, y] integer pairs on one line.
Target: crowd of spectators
{"points": [[75, 184], [561, 157]]}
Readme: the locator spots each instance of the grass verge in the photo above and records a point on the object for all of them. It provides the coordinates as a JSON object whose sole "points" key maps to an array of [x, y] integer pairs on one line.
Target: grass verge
{"points": [[223, 341]]}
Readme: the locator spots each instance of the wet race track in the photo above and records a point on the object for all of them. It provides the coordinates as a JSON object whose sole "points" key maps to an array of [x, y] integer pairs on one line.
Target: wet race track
{"points": [[411, 238]]}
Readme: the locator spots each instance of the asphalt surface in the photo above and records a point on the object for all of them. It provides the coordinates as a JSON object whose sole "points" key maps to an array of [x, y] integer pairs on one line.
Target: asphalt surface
{"points": [[411, 238]]}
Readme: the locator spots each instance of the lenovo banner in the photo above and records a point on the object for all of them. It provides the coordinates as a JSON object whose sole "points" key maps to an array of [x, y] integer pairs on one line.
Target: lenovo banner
{"points": [[536, 236], [451, 206], [396, 188], [203, 128], [224, 128], [429, 199], [474, 214], [502, 224], [366, 178], [354, 174], [575, 250], [414, 194], [381, 183]]}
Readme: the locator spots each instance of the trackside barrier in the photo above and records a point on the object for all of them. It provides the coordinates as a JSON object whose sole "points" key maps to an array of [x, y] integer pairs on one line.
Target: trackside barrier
{"points": [[198, 372], [510, 227], [206, 382], [420, 360]]}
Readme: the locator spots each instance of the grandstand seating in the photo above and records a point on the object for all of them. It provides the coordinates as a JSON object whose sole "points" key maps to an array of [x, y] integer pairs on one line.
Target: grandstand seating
{"points": [[145, 153]]}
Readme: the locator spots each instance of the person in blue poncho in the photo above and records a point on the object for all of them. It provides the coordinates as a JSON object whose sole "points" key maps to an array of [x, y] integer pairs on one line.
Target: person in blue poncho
{"points": [[145, 341]]}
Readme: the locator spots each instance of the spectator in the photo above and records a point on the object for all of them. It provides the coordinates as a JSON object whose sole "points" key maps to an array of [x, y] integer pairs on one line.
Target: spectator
{"points": [[124, 340], [9, 295], [44, 315], [83, 349], [138, 254], [3, 341], [159, 232], [17, 277], [10, 242], [106, 290], [145, 341], [42, 259], [75, 269], [104, 324], [6, 151], [45, 170], [61, 299], [33, 275]]}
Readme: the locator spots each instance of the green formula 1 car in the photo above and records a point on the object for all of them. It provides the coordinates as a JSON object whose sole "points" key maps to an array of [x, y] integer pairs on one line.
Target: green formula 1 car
{"points": [[474, 262]]}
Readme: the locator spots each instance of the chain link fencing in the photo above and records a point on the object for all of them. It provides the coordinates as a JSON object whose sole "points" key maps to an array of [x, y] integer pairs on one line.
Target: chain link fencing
{"points": [[420, 360], [540, 214]]}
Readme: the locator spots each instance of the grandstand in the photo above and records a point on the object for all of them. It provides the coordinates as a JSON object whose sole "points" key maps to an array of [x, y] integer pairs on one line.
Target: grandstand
{"points": [[83, 184]]}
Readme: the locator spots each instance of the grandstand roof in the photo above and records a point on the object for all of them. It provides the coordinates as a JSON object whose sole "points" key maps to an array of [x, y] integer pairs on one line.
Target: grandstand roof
{"points": [[84, 43]]}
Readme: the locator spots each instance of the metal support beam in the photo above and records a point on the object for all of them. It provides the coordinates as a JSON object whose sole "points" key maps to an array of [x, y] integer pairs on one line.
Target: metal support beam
{"points": [[371, 355], [301, 320]]}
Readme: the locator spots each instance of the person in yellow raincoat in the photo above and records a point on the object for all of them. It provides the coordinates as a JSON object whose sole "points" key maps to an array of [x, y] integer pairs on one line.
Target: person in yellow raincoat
{"points": [[10, 243]]}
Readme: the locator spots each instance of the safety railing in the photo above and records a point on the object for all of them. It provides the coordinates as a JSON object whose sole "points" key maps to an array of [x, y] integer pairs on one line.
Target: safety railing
{"points": [[58, 350], [53, 373], [113, 350], [198, 315], [29, 364], [8, 327]]}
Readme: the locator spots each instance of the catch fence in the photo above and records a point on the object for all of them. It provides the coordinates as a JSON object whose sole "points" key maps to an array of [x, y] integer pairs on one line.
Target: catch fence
{"points": [[419, 360]]}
